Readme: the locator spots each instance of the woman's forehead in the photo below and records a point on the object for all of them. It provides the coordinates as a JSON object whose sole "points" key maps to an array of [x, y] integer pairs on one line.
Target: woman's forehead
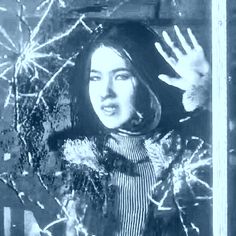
{"points": [[106, 58]]}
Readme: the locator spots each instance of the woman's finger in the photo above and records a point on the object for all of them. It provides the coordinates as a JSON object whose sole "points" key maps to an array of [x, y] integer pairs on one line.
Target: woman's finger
{"points": [[194, 41], [171, 44], [165, 78], [176, 82], [171, 61], [182, 40]]}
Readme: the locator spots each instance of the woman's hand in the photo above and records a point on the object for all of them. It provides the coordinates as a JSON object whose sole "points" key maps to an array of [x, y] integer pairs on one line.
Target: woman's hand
{"points": [[191, 65]]}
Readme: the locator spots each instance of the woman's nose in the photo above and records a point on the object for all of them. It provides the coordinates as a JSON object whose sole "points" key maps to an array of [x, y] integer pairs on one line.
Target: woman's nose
{"points": [[107, 89]]}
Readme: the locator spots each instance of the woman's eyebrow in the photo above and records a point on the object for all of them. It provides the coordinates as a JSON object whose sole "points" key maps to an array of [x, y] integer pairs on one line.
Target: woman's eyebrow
{"points": [[120, 69], [94, 71]]}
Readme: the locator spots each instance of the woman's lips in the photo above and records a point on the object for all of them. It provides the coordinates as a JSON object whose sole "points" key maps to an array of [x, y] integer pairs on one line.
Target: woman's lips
{"points": [[109, 110]]}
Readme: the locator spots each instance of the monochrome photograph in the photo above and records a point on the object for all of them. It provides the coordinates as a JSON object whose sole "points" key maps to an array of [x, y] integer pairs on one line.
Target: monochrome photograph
{"points": [[117, 118]]}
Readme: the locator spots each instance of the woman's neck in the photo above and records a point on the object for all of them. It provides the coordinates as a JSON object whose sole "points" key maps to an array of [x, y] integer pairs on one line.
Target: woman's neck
{"points": [[131, 147]]}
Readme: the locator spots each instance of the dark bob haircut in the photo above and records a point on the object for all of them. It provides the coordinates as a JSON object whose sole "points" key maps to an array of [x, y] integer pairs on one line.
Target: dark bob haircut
{"points": [[138, 42]]}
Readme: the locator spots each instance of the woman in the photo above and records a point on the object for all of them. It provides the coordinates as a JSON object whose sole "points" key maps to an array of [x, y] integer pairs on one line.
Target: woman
{"points": [[130, 167]]}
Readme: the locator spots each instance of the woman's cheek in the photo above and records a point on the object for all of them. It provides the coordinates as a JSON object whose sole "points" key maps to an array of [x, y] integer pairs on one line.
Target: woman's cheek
{"points": [[94, 97], [126, 99]]}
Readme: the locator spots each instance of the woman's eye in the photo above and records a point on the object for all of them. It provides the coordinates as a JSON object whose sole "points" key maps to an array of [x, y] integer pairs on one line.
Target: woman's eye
{"points": [[94, 78], [123, 77]]}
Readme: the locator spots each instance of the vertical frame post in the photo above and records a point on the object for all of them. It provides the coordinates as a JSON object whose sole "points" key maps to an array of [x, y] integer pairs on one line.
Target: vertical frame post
{"points": [[219, 116]]}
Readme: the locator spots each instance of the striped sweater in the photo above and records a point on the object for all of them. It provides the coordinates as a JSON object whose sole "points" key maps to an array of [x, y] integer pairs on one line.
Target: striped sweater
{"points": [[131, 202], [134, 164]]}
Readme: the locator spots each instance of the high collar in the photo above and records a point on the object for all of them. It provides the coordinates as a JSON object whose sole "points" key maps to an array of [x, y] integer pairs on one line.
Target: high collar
{"points": [[131, 147]]}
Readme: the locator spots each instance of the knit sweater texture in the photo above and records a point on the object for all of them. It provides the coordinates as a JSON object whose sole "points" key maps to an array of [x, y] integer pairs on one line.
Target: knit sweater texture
{"points": [[131, 200]]}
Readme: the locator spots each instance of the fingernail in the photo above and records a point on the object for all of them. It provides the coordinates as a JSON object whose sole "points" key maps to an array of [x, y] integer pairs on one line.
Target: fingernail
{"points": [[164, 32]]}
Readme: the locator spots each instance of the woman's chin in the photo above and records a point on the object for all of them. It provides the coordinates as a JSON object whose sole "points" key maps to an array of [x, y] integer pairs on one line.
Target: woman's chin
{"points": [[112, 123], [112, 126]]}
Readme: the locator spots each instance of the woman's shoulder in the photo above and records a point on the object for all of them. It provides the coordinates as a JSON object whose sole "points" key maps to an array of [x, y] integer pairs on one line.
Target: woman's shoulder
{"points": [[174, 143], [82, 152], [178, 155], [57, 138]]}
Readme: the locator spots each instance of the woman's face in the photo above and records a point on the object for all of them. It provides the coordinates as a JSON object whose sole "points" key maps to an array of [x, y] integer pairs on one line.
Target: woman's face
{"points": [[112, 87]]}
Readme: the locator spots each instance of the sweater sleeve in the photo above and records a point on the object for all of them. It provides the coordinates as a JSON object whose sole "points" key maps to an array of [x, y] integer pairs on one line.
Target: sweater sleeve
{"points": [[198, 95]]}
